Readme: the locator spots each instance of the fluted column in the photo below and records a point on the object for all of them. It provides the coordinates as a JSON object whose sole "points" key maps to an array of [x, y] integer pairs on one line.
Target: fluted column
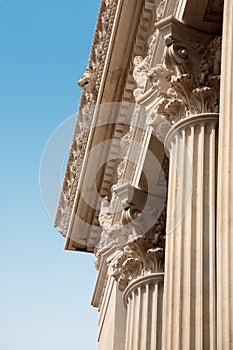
{"points": [[138, 270], [183, 109], [143, 299], [189, 286], [225, 190]]}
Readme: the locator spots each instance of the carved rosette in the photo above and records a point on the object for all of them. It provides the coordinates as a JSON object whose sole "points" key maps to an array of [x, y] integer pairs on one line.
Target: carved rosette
{"points": [[140, 258]]}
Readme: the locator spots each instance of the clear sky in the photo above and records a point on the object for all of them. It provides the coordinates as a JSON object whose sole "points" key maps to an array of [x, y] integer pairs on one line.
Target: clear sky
{"points": [[45, 292]]}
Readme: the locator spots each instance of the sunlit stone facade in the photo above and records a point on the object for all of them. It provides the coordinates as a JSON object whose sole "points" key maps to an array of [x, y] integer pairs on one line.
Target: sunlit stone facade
{"points": [[148, 185]]}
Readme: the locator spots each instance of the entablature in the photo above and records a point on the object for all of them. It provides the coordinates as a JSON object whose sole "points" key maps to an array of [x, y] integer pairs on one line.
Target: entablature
{"points": [[129, 68]]}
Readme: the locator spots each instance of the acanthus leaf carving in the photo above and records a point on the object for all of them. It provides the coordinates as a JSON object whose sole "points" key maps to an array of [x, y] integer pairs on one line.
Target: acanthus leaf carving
{"points": [[187, 94], [198, 93], [139, 258]]}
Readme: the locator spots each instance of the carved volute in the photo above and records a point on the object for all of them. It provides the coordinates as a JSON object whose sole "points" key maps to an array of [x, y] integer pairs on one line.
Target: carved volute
{"points": [[187, 83], [139, 244]]}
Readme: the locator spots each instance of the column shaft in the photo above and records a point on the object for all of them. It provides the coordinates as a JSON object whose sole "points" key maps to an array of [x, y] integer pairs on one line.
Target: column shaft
{"points": [[225, 189], [189, 287], [143, 299]]}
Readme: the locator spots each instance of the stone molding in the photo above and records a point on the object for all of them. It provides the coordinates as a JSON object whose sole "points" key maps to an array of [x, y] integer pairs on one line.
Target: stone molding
{"points": [[145, 42], [154, 278], [90, 83], [143, 299], [198, 119]]}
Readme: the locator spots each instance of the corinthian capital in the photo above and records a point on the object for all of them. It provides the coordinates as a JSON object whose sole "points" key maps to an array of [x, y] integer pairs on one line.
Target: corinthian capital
{"points": [[141, 257], [193, 59], [187, 83]]}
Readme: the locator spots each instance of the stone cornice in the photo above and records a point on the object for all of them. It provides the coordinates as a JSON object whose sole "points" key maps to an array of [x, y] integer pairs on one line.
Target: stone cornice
{"points": [[90, 83], [154, 278], [112, 79], [103, 82], [139, 258]]}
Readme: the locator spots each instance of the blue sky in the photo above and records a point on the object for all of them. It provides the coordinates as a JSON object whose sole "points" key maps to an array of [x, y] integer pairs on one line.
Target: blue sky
{"points": [[45, 292]]}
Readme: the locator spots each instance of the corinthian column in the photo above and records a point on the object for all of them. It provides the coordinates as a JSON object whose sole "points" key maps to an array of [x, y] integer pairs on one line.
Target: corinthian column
{"points": [[185, 118], [138, 271], [138, 264], [225, 190], [144, 300], [189, 293]]}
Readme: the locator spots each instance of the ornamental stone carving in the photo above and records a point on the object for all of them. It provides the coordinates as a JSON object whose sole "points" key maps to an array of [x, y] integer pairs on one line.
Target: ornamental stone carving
{"points": [[140, 74], [74, 164], [160, 10], [89, 82], [142, 70], [187, 83], [138, 237], [138, 216], [183, 94], [140, 258], [118, 232]]}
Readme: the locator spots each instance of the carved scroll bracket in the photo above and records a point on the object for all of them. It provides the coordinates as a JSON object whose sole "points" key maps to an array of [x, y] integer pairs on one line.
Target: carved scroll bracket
{"points": [[140, 215]]}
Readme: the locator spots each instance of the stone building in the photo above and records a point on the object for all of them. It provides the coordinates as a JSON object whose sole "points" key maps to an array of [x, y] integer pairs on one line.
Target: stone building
{"points": [[148, 185]]}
